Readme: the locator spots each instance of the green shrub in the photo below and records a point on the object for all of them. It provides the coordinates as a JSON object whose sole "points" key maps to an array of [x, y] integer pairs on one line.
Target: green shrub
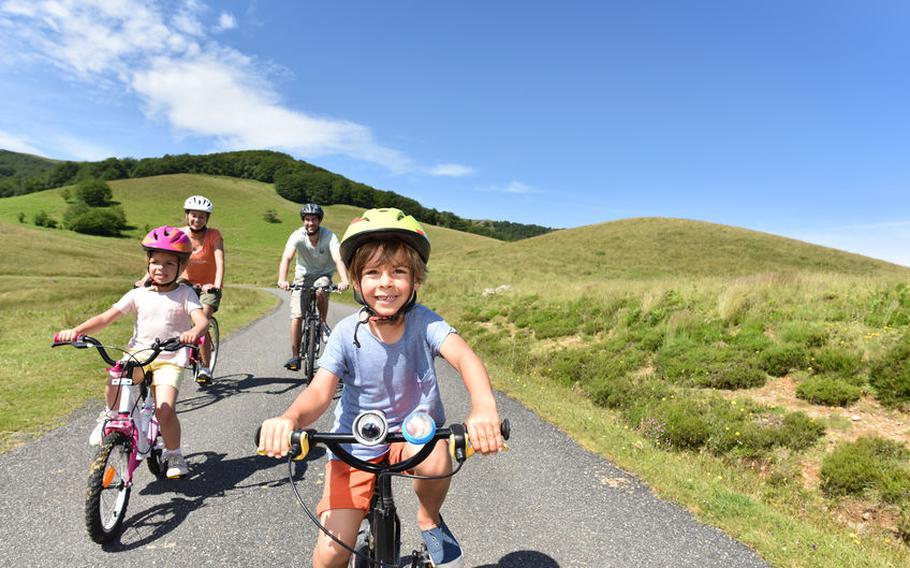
{"points": [[625, 392], [107, 221], [843, 362], [42, 219], [890, 377], [21, 217], [779, 360], [828, 391], [799, 432], [94, 192], [803, 333], [271, 216], [867, 465], [678, 424]]}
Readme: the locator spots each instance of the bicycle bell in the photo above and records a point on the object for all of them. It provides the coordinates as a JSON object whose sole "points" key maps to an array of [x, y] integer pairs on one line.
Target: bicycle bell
{"points": [[370, 427], [418, 428]]}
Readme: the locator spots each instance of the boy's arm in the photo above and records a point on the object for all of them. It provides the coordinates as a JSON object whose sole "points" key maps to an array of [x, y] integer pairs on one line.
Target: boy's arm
{"points": [[200, 324], [90, 325], [310, 404], [483, 423], [219, 264]]}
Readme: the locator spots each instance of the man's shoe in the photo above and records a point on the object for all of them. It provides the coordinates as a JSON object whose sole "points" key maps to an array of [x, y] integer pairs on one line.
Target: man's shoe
{"points": [[176, 466], [444, 550], [104, 417], [293, 364]]}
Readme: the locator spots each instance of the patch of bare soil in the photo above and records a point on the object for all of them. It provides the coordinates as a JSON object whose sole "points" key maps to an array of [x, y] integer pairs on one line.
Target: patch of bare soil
{"points": [[864, 418]]}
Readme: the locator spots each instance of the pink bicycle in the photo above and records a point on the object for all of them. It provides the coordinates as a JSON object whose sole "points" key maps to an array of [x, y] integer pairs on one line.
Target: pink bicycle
{"points": [[128, 439]]}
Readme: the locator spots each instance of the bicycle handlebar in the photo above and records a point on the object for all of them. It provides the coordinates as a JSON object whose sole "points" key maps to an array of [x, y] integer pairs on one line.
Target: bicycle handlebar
{"points": [[85, 341], [459, 446], [329, 288]]}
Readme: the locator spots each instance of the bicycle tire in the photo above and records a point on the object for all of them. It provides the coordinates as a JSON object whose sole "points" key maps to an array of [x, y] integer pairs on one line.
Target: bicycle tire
{"points": [[311, 336], [215, 334], [154, 460], [108, 493]]}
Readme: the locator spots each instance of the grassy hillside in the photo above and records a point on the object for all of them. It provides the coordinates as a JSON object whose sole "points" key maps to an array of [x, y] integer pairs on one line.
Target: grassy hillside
{"points": [[23, 165], [730, 369]]}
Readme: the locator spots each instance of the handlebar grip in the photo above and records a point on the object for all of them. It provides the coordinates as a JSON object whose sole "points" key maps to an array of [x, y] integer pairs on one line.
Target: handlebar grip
{"points": [[299, 444]]}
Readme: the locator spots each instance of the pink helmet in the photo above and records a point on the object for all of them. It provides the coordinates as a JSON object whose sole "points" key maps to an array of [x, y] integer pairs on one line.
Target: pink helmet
{"points": [[168, 239]]}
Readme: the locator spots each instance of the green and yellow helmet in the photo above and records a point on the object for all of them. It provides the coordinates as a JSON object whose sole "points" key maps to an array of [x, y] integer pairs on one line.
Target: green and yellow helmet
{"points": [[386, 222]]}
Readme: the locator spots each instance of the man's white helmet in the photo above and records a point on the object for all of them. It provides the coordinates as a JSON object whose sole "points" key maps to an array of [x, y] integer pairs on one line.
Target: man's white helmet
{"points": [[197, 203]]}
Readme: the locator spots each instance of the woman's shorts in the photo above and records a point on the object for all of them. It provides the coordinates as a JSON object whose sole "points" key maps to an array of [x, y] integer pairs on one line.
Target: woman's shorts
{"points": [[296, 310], [347, 487]]}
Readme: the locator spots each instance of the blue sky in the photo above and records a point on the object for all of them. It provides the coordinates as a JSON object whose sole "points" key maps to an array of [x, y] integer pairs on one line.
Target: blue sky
{"points": [[786, 117]]}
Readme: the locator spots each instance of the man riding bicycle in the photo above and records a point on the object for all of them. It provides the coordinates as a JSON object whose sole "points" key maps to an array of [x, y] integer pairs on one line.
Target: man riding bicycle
{"points": [[318, 257]]}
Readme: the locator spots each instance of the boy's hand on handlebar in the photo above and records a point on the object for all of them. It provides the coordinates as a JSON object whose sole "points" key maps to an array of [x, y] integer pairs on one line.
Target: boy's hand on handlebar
{"points": [[483, 431], [275, 436], [283, 284]]}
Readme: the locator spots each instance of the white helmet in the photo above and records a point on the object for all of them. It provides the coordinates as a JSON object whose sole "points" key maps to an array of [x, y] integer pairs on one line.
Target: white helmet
{"points": [[197, 203]]}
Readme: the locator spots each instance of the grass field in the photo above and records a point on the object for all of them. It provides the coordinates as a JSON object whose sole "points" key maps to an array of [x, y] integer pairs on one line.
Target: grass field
{"points": [[723, 366]]}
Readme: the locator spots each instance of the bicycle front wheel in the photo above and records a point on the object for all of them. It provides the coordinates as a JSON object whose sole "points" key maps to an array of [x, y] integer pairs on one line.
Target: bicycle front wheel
{"points": [[108, 491], [311, 337], [215, 334]]}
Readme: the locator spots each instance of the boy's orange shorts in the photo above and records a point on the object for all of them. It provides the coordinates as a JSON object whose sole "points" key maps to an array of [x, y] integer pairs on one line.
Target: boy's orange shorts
{"points": [[347, 487]]}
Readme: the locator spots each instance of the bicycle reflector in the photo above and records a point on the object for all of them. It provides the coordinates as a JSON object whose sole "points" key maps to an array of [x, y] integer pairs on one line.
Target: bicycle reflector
{"points": [[370, 427], [418, 428]]}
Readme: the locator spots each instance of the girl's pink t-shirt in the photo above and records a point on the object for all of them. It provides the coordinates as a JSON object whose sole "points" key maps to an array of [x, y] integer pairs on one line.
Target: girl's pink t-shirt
{"points": [[160, 315]]}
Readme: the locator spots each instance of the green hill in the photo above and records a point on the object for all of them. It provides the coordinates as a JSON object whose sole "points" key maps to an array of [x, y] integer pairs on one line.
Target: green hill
{"points": [[648, 340], [23, 165]]}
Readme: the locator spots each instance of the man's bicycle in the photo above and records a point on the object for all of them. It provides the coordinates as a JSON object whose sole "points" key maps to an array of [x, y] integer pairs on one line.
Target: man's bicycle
{"points": [[311, 330], [128, 439], [379, 541]]}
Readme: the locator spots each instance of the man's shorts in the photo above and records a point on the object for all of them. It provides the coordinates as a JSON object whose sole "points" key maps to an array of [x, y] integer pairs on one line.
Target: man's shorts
{"points": [[321, 280], [347, 487]]}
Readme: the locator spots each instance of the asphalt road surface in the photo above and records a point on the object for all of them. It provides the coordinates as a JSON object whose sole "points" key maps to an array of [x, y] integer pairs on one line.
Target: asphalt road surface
{"points": [[546, 503]]}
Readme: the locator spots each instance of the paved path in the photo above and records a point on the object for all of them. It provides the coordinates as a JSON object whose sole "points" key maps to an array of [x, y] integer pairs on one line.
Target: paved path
{"points": [[547, 503]]}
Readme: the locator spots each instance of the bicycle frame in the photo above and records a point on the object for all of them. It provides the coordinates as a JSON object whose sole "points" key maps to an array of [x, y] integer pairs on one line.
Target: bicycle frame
{"points": [[384, 525], [140, 426], [310, 326]]}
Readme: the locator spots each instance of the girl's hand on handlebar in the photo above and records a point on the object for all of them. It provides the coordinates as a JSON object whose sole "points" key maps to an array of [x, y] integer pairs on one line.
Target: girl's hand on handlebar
{"points": [[283, 284], [275, 436], [342, 286], [483, 431], [66, 335], [189, 337]]}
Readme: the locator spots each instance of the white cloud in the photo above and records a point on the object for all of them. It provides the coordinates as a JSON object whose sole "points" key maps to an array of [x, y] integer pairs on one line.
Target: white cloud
{"points": [[16, 144], [516, 187], [226, 21], [886, 241], [183, 76], [451, 170], [73, 148]]}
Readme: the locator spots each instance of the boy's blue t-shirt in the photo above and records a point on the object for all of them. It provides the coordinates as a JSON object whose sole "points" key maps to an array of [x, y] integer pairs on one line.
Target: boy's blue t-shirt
{"points": [[394, 378]]}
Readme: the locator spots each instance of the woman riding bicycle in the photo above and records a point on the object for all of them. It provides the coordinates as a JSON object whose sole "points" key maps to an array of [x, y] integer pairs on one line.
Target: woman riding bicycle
{"points": [[317, 252], [162, 310], [385, 357]]}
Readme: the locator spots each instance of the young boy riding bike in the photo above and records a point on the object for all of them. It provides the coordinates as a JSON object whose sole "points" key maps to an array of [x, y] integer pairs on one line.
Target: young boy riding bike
{"points": [[162, 310], [385, 357]]}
